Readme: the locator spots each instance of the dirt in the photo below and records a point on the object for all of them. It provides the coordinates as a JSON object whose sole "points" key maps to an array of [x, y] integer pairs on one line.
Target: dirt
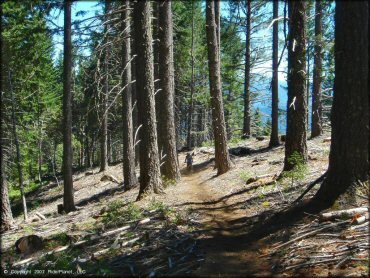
{"points": [[225, 254], [221, 211]]}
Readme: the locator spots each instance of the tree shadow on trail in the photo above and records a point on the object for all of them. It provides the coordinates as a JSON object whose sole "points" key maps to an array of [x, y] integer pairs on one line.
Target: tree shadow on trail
{"points": [[279, 220], [198, 167]]}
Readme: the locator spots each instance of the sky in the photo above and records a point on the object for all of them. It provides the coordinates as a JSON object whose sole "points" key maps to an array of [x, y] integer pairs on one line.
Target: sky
{"points": [[91, 7]]}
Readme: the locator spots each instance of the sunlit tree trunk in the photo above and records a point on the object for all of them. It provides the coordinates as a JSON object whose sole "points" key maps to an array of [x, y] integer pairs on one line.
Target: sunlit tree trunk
{"points": [[222, 159], [68, 198], [296, 136], [316, 127], [247, 65], [150, 176], [129, 174], [274, 139], [348, 160], [104, 104], [167, 137]]}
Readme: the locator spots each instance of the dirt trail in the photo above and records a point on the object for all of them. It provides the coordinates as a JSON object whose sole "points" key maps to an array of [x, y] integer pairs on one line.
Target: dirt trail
{"points": [[225, 253]]}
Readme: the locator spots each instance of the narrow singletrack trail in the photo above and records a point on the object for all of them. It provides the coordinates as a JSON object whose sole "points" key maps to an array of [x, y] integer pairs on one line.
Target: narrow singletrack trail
{"points": [[226, 254]]}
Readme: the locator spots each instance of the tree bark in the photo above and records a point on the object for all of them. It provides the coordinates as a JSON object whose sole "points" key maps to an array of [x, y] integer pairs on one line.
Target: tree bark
{"points": [[348, 160], [18, 151], [167, 136], [129, 174], [6, 212], [191, 104], [104, 104], [150, 176], [68, 199], [274, 139], [247, 100], [316, 127], [39, 125], [222, 159], [218, 24], [296, 135]]}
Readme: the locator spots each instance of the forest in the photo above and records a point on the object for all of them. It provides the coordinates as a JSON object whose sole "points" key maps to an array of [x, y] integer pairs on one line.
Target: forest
{"points": [[195, 138]]}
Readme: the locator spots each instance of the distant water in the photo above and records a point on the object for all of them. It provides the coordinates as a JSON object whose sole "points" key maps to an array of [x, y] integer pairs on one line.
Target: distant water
{"points": [[265, 106]]}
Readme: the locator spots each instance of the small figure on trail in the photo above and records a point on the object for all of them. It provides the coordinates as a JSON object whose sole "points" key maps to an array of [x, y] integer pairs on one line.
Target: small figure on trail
{"points": [[189, 161]]}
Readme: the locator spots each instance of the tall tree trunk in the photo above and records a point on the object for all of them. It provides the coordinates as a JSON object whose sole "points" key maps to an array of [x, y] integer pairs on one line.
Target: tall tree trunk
{"points": [[296, 136], [247, 93], [218, 24], [316, 127], [39, 125], [54, 162], [18, 151], [308, 64], [104, 104], [222, 159], [68, 199], [167, 136], [274, 139], [129, 174], [6, 212], [348, 160], [150, 176], [191, 104]]}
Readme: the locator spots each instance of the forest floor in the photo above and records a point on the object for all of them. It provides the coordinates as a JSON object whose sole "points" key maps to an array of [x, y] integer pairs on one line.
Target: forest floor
{"points": [[202, 226]]}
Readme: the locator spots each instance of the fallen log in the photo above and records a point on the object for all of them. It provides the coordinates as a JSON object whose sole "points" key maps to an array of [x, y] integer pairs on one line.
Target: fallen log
{"points": [[122, 244], [35, 259], [113, 232], [40, 215], [309, 234], [348, 213], [108, 177]]}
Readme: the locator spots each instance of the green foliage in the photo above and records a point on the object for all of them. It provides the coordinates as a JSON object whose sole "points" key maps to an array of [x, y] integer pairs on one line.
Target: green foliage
{"points": [[208, 143], [28, 70], [28, 229], [168, 182], [299, 170], [245, 175], [179, 219], [234, 141], [15, 193], [117, 213], [60, 239]]}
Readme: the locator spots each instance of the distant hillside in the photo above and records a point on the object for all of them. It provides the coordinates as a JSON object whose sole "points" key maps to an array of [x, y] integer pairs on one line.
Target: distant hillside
{"points": [[265, 105]]}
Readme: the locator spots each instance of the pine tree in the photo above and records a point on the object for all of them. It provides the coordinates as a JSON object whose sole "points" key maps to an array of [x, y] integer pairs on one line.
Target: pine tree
{"points": [[68, 198], [6, 212], [274, 138], [129, 174], [316, 128], [348, 160], [166, 136], [297, 101], [247, 73], [104, 100], [222, 159], [150, 176]]}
